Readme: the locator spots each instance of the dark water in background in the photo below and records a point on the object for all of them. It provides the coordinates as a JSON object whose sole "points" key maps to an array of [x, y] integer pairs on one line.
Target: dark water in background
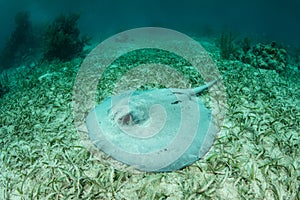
{"points": [[278, 20]]}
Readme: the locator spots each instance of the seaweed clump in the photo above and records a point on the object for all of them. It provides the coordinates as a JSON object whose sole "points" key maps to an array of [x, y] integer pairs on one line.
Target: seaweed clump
{"points": [[62, 38], [227, 46], [3, 84], [20, 43], [3, 90]]}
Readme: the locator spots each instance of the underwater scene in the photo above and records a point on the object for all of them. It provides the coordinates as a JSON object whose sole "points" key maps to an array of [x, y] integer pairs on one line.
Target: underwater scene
{"points": [[172, 100]]}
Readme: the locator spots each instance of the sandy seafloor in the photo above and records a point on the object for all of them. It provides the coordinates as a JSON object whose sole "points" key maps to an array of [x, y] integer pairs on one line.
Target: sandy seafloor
{"points": [[256, 155]]}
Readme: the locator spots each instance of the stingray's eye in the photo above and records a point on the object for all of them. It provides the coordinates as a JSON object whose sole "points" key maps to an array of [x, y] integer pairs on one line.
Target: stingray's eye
{"points": [[126, 119]]}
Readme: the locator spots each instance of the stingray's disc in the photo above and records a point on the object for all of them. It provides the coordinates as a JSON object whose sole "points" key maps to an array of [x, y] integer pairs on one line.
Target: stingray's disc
{"points": [[156, 130]]}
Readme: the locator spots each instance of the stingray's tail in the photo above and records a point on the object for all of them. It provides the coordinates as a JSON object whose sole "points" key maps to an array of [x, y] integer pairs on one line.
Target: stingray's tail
{"points": [[199, 89]]}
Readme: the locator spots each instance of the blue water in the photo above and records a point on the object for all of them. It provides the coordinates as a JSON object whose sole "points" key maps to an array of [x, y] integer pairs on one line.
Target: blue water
{"points": [[278, 20]]}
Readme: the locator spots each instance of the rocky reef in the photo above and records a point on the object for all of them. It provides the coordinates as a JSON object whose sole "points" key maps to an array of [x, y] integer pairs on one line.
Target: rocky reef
{"points": [[267, 56]]}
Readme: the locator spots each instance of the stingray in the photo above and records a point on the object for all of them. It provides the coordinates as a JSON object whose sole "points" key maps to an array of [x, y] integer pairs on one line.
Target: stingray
{"points": [[153, 130]]}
